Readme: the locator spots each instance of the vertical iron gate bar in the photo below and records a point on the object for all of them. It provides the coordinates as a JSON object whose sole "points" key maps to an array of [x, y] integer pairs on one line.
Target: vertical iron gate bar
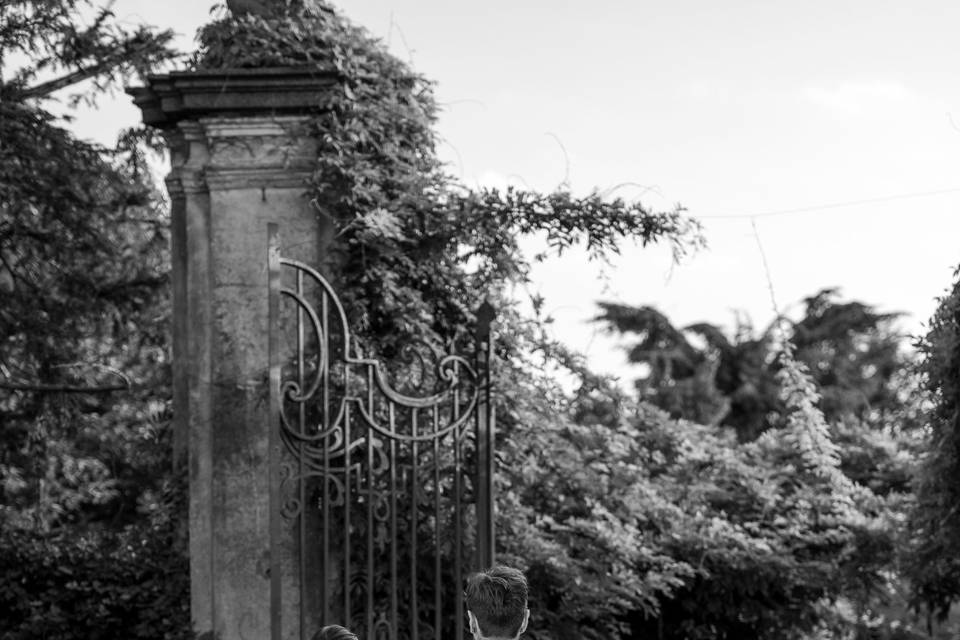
{"points": [[457, 516], [394, 625], [487, 525], [346, 516], [394, 609], [436, 525], [414, 503], [489, 505], [325, 478], [301, 492], [480, 487], [273, 438], [370, 498]]}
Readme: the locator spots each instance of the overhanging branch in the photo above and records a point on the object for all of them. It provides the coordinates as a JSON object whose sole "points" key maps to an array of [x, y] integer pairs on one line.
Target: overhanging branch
{"points": [[139, 46], [61, 388], [46, 88]]}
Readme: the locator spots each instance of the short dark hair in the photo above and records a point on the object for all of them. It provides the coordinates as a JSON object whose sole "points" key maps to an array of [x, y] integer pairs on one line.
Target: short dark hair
{"points": [[498, 599], [334, 632]]}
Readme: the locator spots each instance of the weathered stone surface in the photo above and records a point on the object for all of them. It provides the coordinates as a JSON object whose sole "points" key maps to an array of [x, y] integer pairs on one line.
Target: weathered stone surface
{"points": [[241, 156], [185, 95]]}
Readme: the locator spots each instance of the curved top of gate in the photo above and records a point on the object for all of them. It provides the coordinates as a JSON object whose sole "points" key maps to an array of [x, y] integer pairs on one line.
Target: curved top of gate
{"points": [[454, 371]]}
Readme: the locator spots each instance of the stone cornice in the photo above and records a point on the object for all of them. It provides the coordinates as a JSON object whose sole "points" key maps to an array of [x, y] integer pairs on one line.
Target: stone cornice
{"points": [[230, 178], [169, 98]]}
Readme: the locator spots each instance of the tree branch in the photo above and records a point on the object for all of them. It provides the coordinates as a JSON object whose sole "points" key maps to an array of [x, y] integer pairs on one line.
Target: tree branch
{"points": [[142, 44], [61, 388], [39, 387], [46, 88]]}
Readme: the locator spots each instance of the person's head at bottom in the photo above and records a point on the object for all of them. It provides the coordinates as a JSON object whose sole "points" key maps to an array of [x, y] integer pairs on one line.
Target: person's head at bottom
{"points": [[497, 604], [334, 632]]}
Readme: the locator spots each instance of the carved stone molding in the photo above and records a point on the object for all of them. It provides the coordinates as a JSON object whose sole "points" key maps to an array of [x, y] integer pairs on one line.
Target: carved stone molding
{"points": [[169, 98], [188, 157], [258, 152], [235, 128], [217, 153]]}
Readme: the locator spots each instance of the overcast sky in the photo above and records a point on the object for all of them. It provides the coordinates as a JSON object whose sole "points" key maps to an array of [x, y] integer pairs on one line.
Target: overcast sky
{"points": [[762, 114]]}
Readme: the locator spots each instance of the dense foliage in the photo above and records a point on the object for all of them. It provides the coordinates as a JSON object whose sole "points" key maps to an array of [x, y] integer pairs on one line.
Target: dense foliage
{"points": [[83, 253], [936, 521], [853, 353], [129, 582], [762, 500], [86, 523], [415, 251], [67, 42], [844, 397]]}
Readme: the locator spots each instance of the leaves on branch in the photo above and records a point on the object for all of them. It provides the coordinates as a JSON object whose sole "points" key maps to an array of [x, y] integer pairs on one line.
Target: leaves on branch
{"points": [[83, 261], [935, 561], [63, 49]]}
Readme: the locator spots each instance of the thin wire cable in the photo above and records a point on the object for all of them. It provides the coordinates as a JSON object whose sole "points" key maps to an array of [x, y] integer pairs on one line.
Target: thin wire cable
{"points": [[834, 205]]}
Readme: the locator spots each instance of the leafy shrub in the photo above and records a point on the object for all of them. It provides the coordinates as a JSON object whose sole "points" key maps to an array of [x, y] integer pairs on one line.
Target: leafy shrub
{"points": [[100, 584]]}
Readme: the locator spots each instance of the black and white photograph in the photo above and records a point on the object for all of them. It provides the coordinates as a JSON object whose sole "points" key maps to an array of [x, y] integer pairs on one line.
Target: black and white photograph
{"points": [[446, 320]]}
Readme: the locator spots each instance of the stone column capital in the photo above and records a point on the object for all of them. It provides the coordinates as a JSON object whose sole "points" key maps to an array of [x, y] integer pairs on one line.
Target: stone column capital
{"points": [[258, 151], [187, 95], [235, 128]]}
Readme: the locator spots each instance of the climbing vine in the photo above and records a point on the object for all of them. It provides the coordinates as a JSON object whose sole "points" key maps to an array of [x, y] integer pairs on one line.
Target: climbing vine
{"points": [[416, 250]]}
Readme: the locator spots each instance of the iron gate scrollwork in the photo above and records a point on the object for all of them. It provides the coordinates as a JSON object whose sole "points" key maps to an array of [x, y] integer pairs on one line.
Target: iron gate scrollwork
{"points": [[381, 474]]}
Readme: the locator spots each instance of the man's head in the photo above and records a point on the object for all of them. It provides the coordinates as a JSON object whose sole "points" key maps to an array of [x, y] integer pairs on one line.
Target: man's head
{"points": [[497, 604], [334, 632]]}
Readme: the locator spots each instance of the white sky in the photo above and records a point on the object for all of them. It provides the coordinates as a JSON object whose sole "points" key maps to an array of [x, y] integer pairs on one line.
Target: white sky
{"points": [[730, 109]]}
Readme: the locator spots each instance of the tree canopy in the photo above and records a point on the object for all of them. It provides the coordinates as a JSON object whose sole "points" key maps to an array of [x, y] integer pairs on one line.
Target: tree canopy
{"points": [[842, 395], [89, 514], [854, 353], [936, 521], [47, 46], [762, 497]]}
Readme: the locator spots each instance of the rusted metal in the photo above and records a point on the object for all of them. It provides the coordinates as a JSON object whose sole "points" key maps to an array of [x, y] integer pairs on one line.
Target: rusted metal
{"points": [[376, 471]]}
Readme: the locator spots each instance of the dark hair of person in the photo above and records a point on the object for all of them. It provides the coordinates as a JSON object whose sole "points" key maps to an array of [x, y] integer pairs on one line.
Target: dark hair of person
{"points": [[497, 597], [334, 632]]}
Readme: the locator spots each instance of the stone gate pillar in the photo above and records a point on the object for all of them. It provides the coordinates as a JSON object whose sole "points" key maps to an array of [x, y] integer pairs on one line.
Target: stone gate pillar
{"points": [[241, 153]]}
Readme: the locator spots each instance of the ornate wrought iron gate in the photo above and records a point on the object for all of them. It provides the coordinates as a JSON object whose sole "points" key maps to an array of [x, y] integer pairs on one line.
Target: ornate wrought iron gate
{"points": [[381, 473]]}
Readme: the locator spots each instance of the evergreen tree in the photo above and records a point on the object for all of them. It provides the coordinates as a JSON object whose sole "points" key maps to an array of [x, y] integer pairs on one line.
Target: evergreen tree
{"points": [[854, 354], [88, 514], [936, 519], [83, 253]]}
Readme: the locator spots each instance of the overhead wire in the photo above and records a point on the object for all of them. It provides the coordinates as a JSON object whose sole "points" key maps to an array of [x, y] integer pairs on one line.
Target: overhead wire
{"points": [[834, 205]]}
